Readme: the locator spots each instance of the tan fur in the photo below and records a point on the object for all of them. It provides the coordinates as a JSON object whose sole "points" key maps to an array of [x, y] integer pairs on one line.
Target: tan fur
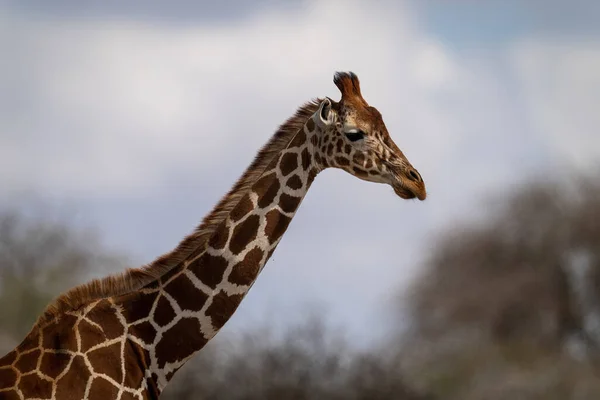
{"points": [[135, 278]]}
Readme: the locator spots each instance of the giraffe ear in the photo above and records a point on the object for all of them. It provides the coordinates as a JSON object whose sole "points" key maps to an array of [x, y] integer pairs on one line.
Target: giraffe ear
{"points": [[326, 113]]}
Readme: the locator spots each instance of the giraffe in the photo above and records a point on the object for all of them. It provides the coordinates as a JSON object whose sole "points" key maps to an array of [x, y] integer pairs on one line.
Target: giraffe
{"points": [[125, 336]]}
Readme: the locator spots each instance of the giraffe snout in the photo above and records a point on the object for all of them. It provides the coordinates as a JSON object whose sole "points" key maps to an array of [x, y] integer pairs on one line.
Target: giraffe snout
{"points": [[408, 183], [414, 175]]}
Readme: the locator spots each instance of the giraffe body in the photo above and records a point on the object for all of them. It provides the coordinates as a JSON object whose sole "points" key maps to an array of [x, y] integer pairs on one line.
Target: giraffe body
{"points": [[125, 337]]}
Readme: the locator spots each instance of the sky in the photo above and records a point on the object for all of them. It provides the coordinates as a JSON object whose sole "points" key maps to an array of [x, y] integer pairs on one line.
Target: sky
{"points": [[137, 117]]}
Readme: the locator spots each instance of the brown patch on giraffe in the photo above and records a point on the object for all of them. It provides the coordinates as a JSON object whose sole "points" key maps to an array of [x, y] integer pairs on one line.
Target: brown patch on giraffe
{"points": [[54, 363], [61, 337], [107, 361], [8, 377], [244, 233], [361, 173], [222, 308], [288, 163], [11, 395], [313, 174], [188, 296], [347, 149], [339, 145], [102, 390], [180, 341], [164, 313], [143, 331], [266, 189], [342, 161], [306, 159], [289, 203], [244, 207], [169, 375], [129, 396], [28, 362], [33, 387], [137, 305], [310, 125], [246, 271], [277, 223], [90, 335], [330, 149], [314, 140], [298, 140], [359, 158], [137, 361], [152, 388], [369, 163], [72, 384], [9, 358], [209, 270], [294, 182], [218, 240], [104, 314]]}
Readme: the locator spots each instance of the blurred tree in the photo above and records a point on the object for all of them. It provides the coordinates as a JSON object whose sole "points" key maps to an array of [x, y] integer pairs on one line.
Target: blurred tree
{"points": [[308, 362], [509, 307], [40, 256]]}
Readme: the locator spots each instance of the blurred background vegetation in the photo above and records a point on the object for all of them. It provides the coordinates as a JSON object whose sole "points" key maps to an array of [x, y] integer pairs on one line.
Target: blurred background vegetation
{"points": [[507, 307]]}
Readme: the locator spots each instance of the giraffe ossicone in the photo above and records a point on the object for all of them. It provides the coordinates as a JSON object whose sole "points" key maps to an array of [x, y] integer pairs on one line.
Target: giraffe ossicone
{"points": [[125, 336]]}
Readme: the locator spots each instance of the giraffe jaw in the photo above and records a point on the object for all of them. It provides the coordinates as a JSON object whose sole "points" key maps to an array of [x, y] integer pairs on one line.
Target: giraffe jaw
{"points": [[408, 194]]}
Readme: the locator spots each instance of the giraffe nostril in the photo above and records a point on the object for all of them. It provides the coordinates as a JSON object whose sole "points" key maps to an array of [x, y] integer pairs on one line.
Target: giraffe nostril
{"points": [[414, 175]]}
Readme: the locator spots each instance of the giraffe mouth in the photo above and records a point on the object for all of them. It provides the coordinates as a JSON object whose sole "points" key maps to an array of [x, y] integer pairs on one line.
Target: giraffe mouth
{"points": [[407, 193]]}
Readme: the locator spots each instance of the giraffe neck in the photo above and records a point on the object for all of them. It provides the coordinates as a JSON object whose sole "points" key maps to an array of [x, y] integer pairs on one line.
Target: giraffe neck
{"points": [[187, 307]]}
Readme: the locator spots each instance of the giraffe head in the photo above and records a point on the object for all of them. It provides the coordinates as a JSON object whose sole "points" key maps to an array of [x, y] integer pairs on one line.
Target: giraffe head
{"points": [[355, 139]]}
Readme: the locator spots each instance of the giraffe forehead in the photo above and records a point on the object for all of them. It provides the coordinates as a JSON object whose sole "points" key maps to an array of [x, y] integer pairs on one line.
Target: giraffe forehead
{"points": [[368, 118]]}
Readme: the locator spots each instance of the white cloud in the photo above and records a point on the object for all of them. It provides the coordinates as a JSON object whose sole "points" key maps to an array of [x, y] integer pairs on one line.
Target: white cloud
{"points": [[116, 106], [560, 86], [432, 66]]}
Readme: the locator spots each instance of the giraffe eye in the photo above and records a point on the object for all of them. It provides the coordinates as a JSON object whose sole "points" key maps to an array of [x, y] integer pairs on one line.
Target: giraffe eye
{"points": [[355, 135]]}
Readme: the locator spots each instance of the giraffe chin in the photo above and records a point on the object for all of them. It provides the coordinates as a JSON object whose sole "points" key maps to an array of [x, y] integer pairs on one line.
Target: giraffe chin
{"points": [[408, 194]]}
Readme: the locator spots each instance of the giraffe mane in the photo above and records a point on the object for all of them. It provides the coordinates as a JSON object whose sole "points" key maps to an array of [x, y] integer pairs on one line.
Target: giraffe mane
{"points": [[133, 279]]}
